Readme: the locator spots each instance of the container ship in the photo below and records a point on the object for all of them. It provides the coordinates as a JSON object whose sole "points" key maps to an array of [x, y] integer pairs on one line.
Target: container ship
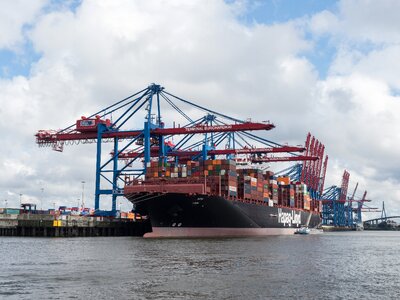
{"points": [[217, 198], [199, 185], [189, 180]]}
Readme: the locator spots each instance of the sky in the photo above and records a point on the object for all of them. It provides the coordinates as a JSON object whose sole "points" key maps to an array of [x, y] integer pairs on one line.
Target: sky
{"points": [[325, 67]]}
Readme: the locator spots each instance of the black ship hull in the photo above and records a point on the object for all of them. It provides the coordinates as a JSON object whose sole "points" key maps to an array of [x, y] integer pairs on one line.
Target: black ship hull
{"points": [[182, 215]]}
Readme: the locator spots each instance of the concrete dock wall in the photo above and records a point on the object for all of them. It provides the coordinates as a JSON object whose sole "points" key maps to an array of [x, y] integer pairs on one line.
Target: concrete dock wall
{"points": [[33, 225]]}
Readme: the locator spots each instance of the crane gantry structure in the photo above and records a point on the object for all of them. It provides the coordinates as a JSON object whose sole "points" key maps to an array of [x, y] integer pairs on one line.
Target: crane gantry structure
{"points": [[310, 172], [337, 207], [205, 133], [333, 203]]}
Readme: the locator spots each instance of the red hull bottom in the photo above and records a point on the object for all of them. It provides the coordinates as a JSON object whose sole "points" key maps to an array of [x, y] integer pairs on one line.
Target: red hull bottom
{"points": [[191, 232]]}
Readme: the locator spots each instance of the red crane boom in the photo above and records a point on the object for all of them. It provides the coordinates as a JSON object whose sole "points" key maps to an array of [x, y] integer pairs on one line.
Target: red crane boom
{"points": [[48, 137], [344, 187], [189, 153], [286, 158]]}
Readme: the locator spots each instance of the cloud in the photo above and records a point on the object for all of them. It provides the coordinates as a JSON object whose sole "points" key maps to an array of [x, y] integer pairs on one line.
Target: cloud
{"points": [[364, 112], [14, 15], [105, 50], [381, 64], [199, 52], [359, 97], [368, 20], [361, 21], [206, 56]]}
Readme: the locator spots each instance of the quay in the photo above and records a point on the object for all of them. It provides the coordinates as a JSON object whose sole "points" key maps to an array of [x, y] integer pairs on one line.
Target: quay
{"points": [[46, 225]]}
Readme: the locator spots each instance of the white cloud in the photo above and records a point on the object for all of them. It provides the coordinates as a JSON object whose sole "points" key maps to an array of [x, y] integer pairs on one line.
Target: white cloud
{"points": [[361, 21], [324, 22], [381, 64], [208, 55], [200, 51], [368, 20], [364, 112], [357, 101], [106, 50], [13, 16]]}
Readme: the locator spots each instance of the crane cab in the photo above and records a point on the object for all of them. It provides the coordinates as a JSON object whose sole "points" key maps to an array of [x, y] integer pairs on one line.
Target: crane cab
{"points": [[90, 124]]}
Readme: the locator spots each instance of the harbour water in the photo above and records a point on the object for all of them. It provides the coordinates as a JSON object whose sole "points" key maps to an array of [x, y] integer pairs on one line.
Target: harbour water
{"points": [[362, 265]]}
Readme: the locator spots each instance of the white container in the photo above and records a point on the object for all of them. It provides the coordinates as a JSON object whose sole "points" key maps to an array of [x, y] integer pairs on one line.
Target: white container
{"points": [[233, 188]]}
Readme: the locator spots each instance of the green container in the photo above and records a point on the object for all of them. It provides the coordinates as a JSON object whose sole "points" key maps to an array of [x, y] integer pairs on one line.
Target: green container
{"points": [[11, 211]]}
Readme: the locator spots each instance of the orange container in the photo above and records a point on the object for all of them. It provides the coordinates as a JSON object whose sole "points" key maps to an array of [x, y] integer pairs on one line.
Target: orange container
{"points": [[285, 180]]}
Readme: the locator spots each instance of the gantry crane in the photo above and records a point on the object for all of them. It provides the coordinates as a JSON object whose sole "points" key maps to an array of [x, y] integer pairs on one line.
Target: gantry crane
{"points": [[206, 135], [333, 203], [338, 209], [362, 207], [311, 172]]}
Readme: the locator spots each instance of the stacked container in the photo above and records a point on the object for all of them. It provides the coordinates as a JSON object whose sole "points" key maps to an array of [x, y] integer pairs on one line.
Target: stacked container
{"points": [[284, 195], [251, 185], [286, 192], [218, 175], [291, 196], [244, 186], [161, 169], [272, 188], [221, 177], [266, 197], [302, 199]]}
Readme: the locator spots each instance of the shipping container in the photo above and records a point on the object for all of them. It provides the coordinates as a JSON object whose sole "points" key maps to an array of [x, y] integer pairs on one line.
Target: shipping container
{"points": [[284, 180], [221, 177], [11, 211]]}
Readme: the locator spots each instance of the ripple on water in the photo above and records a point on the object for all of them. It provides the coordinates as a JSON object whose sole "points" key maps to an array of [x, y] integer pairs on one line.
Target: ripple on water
{"points": [[329, 266]]}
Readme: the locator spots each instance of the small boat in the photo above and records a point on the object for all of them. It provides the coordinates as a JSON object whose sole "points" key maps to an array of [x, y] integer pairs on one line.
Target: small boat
{"points": [[302, 230]]}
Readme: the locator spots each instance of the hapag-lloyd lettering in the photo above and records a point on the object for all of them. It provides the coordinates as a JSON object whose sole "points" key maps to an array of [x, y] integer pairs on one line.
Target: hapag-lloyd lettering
{"points": [[289, 218]]}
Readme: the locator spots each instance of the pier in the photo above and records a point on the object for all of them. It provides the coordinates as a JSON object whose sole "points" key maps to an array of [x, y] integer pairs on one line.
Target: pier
{"points": [[46, 225]]}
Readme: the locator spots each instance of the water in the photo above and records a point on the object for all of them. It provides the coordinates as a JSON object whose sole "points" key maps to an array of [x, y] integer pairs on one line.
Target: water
{"points": [[351, 265]]}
